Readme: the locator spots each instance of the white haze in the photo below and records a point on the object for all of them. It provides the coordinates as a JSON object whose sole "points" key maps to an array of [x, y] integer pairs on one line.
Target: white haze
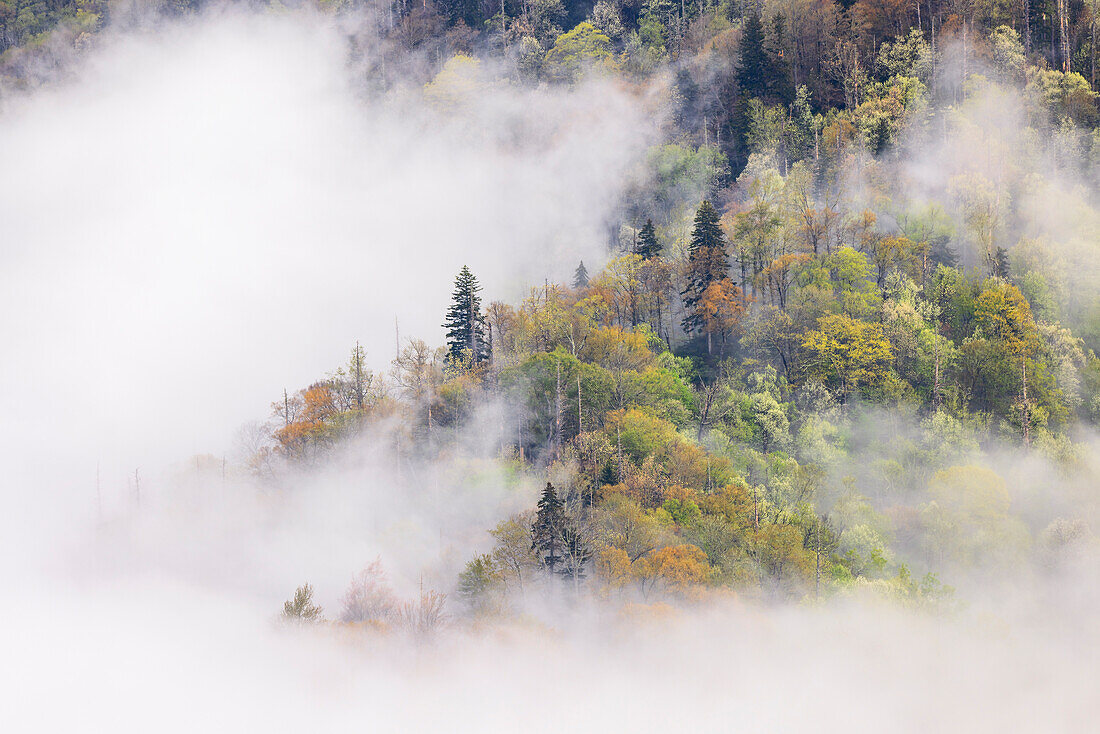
{"points": [[204, 215], [208, 213]]}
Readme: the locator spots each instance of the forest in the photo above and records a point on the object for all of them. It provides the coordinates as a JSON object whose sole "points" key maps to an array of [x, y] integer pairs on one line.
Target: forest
{"points": [[823, 340], [850, 278]]}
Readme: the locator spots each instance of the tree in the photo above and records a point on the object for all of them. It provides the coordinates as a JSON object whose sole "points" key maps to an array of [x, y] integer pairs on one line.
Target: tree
{"points": [[648, 246], [546, 532], [720, 308], [369, 597], [465, 325], [969, 520], [301, 609], [780, 81], [622, 524], [677, 568], [514, 554], [575, 555], [478, 583], [1003, 314], [580, 276], [708, 263], [753, 72], [422, 618], [577, 51], [845, 353]]}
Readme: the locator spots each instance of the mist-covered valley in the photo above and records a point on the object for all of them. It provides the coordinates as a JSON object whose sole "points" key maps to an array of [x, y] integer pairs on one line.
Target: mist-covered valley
{"points": [[613, 367]]}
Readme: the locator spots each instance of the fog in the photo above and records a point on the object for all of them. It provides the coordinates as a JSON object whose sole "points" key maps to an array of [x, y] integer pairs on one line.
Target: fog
{"points": [[199, 216]]}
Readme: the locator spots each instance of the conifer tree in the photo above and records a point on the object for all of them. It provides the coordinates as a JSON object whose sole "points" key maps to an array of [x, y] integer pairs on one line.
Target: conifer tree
{"points": [[580, 276], [780, 81], [648, 246], [301, 609], [999, 265], [708, 262], [941, 253], [465, 324], [752, 76], [548, 528]]}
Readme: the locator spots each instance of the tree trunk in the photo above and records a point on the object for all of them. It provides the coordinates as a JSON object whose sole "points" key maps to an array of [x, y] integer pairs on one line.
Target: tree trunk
{"points": [[580, 413], [1024, 407], [557, 414]]}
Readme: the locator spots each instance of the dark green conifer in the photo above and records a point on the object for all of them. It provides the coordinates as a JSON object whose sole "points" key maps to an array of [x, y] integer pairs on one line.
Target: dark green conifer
{"points": [[548, 528], [752, 75], [780, 80], [708, 262], [580, 276], [940, 252], [999, 264], [465, 324], [648, 246]]}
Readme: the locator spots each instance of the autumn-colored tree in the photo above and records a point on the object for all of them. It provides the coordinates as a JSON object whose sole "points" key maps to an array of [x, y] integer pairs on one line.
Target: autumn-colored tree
{"points": [[720, 309], [369, 598], [708, 263], [778, 276], [677, 569]]}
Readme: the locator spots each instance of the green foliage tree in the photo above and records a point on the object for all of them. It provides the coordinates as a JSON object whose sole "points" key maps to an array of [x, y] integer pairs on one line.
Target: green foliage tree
{"points": [[846, 354], [301, 609], [577, 51], [479, 583]]}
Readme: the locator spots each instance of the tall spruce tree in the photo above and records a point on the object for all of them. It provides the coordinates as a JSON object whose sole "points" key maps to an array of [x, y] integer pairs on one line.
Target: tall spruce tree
{"points": [[941, 253], [465, 324], [580, 276], [755, 67], [548, 529], [708, 263], [780, 81], [648, 246], [999, 265]]}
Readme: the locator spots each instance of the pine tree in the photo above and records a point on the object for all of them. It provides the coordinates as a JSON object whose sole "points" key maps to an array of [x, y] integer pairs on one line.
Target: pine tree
{"points": [[465, 324], [999, 264], [707, 233], [301, 609], [941, 253], [752, 76], [648, 246], [548, 528], [780, 81], [580, 276], [708, 262]]}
